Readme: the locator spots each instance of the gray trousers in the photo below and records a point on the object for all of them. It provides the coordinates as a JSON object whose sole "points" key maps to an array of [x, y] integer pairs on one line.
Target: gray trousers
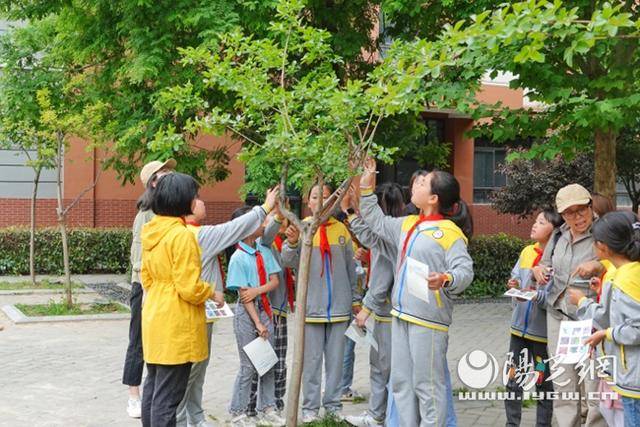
{"points": [[419, 359], [245, 331], [322, 341], [567, 413], [190, 409], [380, 362]]}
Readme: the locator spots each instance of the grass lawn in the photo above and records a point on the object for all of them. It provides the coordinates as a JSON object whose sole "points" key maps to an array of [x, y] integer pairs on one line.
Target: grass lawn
{"points": [[42, 284], [59, 308]]}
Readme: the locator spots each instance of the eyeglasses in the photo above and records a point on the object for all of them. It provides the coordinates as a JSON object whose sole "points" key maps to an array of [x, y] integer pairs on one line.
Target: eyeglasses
{"points": [[581, 211]]}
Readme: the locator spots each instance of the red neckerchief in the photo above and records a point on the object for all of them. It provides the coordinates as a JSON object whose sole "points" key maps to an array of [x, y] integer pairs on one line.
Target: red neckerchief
{"points": [[262, 276], [325, 248], [421, 219], [191, 222], [538, 257], [288, 275]]}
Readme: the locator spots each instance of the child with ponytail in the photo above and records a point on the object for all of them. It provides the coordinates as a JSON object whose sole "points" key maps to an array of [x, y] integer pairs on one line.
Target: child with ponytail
{"points": [[438, 238], [617, 238]]}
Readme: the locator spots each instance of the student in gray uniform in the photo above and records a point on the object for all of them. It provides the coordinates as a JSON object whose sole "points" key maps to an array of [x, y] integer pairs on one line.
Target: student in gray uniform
{"points": [[617, 238], [254, 273], [213, 239], [528, 342], [377, 300], [420, 327], [331, 295], [282, 302]]}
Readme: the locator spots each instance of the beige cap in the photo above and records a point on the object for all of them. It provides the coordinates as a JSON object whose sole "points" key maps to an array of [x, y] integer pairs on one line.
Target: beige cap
{"points": [[152, 167], [572, 195]]}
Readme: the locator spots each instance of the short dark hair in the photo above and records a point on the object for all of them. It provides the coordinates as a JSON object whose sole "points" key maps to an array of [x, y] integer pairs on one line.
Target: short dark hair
{"points": [[553, 217], [241, 211], [174, 194], [620, 231], [391, 199]]}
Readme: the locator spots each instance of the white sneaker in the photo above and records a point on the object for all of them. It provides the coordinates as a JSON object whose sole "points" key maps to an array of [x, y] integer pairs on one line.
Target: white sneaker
{"points": [[309, 417], [271, 418], [243, 420], [134, 408], [364, 420]]}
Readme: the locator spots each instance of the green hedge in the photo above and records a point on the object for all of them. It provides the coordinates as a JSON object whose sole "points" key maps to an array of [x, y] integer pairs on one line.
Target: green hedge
{"points": [[91, 250], [107, 251], [493, 259]]}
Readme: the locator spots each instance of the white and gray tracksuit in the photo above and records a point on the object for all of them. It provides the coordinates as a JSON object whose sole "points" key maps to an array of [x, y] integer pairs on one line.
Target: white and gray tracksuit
{"points": [[213, 239], [377, 301], [621, 300], [419, 328], [529, 318], [331, 294]]}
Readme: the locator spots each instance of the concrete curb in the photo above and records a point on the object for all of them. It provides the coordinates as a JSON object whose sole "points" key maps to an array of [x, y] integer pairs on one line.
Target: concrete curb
{"points": [[45, 291], [18, 317]]}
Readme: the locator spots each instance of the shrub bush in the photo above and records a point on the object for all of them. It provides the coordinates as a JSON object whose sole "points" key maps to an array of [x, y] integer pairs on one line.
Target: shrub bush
{"points": [[91, 250], [493, 259]]}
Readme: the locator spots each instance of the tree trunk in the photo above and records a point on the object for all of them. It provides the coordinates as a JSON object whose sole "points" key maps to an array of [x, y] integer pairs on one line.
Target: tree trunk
{"points": [[605, 164], [298, 340], [62, 222], [634, 206], [65, 257], [32, 237]]}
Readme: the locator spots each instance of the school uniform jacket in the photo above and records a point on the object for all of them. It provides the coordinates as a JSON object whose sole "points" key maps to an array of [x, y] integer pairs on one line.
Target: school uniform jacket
{"points": [[333, 283], [440, 244], [529, 319], [383, 256], [624, 329]]}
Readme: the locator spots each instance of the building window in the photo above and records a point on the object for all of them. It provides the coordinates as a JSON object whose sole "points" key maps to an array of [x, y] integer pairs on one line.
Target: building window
{"points": [[16, 177], [486, 175]]}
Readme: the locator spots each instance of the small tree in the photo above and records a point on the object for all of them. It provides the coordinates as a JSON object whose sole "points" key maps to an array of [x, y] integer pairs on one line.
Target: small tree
{"points": [[302, 124], [25, 72], [532, 184]]}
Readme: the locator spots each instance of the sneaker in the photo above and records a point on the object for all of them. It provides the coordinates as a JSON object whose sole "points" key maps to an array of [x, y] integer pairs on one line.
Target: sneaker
{"points": [[363, 420], [243, 420], [336, 414], [309, 417], [134, 408], [350, 396], [271, 418]]}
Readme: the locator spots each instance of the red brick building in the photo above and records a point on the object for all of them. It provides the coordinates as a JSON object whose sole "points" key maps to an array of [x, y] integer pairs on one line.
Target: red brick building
{"points": [[111, 204]]}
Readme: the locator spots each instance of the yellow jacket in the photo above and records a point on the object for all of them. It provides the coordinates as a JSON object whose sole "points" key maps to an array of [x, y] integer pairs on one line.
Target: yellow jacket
{"points": [[173, 316]]}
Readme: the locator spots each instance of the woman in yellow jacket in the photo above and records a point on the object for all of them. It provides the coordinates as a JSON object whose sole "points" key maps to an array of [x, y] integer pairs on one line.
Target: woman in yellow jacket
{"points": [[174, 332]]}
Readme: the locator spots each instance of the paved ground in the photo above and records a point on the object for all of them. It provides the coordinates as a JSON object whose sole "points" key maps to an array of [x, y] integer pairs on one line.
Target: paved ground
{"points": [[69, 374]]}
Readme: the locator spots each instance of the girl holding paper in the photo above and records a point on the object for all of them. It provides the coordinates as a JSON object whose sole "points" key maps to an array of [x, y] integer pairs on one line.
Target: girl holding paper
{"points": [[617, 238], [529, 323], [438, 239], [253, 272]]}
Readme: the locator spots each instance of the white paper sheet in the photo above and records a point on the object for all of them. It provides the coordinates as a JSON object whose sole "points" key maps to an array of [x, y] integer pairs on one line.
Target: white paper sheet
{"points": [[363, 336], [520, 293], [214, 313], [571, 348], [261, 355], [416, 279]]}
